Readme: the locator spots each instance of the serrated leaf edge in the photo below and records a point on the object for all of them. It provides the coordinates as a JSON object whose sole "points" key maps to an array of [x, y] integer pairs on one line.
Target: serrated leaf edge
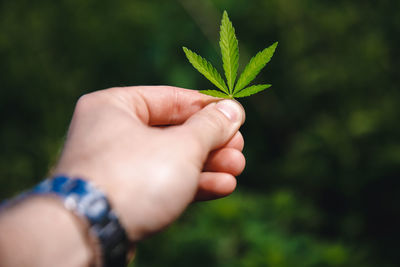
{"points": [[229, 51], [255, 65], [215, 93], [257, 88], [206, 68]]}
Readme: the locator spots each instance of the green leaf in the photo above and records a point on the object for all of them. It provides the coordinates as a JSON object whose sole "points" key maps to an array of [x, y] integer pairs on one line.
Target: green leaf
{"points": [[230, 59], [214, 93], [229, 50], [251, 90], [256, 64], [205, 68]]}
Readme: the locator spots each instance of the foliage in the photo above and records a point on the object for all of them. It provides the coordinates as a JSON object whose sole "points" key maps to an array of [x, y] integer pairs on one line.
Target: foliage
{"points": [[248, 230], [230, 58], [205, 68]]}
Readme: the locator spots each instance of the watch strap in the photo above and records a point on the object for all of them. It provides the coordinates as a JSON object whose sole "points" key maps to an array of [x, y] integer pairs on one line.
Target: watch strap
{"points": [[91, 204]]}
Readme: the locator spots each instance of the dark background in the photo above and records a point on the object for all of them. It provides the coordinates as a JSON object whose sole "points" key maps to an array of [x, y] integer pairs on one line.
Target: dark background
{"points": [[321, 186]]}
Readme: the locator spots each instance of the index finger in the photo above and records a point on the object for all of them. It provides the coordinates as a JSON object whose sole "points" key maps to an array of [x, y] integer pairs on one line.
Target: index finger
{"points": [[163, 105]]}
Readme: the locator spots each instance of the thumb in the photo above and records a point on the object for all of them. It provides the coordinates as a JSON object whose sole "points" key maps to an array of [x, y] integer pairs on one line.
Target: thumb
{"points": [[214, 125]]}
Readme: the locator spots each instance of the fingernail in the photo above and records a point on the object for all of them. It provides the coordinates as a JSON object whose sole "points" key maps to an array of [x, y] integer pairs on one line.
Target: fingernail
{"points": [[230, 109]]}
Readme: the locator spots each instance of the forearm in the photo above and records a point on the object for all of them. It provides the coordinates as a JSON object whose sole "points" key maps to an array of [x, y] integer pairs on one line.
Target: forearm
{"points": [[41, 232]]}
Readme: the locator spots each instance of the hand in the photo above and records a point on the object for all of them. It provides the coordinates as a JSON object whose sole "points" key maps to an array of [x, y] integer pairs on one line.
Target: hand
{"points": [[153, 150]]}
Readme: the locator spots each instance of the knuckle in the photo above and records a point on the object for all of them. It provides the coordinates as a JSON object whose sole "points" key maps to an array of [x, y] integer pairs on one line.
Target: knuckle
{"points": [[84, 102], [90, 101]]}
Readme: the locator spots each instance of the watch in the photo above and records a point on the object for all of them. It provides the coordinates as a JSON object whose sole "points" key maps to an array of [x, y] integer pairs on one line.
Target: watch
{"points": [[89, 203]]}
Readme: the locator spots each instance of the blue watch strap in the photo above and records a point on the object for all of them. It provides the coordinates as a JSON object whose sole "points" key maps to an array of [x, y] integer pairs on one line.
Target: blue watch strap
{"points": [[90, 203]]}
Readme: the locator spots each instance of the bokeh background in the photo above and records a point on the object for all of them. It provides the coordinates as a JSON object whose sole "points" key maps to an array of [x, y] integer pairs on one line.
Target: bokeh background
{"points": [[321, 186]]}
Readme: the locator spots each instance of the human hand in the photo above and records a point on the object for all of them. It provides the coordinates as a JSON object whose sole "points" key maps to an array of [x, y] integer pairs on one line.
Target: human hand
{"points": [[153, 150]]}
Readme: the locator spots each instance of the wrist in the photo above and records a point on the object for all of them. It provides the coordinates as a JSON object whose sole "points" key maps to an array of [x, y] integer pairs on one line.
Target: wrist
{"points": [[129, 215], [90, 207], [26, 228], [105, 233]]}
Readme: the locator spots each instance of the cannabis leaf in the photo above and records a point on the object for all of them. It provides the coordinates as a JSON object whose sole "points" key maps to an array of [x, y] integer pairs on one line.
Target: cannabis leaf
{"points": [[256, 64], [205, 68], [229, 50], [252, 90], [215, 93], [230, 61]]}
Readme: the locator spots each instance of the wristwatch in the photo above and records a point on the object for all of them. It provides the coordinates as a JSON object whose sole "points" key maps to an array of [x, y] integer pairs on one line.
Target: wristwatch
{"points": [[91, 205]]}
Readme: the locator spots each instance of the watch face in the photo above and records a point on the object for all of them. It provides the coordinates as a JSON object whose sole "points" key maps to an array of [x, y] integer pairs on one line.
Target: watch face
{"points": [[95, 207]]}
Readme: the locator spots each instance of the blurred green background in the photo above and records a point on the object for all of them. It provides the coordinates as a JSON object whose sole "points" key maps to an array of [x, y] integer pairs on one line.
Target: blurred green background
{"points": [[321, 186]]}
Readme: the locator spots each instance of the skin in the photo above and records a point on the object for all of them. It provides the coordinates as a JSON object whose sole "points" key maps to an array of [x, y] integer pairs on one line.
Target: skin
{"points": [[153, 150]]}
